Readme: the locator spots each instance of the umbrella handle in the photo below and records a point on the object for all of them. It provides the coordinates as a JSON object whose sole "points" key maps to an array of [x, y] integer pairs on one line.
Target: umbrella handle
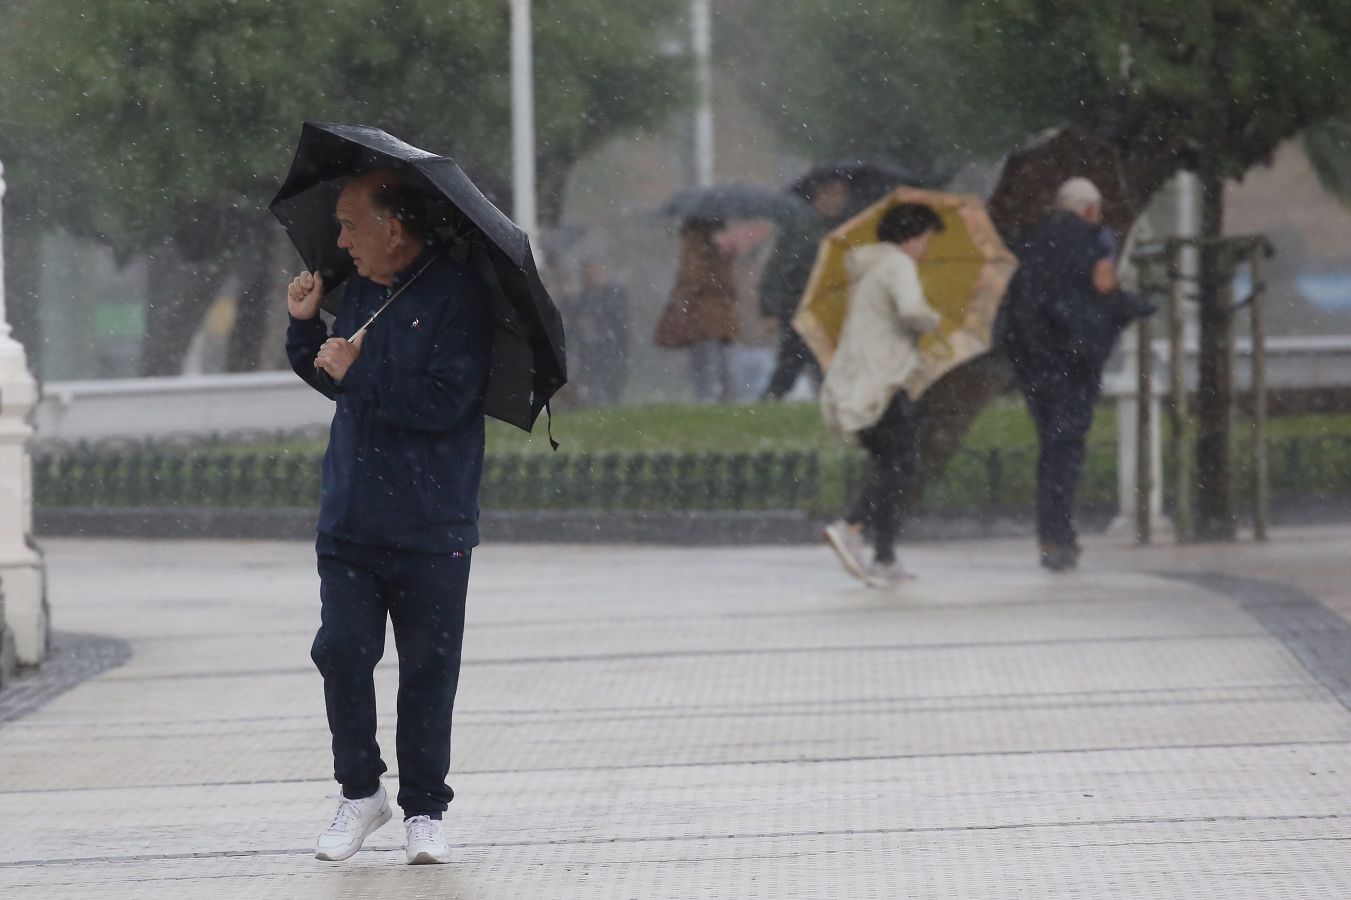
{"points": [[939, 339]]}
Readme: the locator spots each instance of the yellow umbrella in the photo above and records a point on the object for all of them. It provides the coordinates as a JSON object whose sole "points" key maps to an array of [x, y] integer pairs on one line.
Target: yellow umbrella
{"points": [[964, 276]]}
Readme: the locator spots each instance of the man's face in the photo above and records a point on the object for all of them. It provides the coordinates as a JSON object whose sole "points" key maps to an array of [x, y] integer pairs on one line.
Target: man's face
{"points": [[364, 235]]}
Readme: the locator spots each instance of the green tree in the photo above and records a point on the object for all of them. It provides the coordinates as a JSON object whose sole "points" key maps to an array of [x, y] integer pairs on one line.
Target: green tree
{"points": [[186, 113], [1213, 86]]}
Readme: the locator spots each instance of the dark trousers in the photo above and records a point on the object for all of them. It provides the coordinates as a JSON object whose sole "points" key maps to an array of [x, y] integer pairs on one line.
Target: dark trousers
{"points": [[1061, 406], [711, 372], [893, 450], [423, 595], [793, 357]]}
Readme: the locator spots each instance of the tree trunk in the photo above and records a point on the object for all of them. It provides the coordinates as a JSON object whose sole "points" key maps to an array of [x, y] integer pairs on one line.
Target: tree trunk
{"points": [[1214, 485]]}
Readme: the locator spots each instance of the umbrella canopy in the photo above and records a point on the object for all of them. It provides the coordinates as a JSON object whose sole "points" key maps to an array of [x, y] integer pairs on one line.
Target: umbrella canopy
{"points": [[528, 358], [737, 201], [867, 182], [964, 276], [1029, 177]]}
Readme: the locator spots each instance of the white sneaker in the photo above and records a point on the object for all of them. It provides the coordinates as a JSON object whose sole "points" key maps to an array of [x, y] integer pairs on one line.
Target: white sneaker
{"points": [[848, 545], [884, 574], [426, 841], [354, 821]]}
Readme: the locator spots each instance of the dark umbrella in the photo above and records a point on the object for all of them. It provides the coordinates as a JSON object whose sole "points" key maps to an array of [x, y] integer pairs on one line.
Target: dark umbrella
{"points": [[1030, 176], [867, 182], [528, 360], [737, 201]]}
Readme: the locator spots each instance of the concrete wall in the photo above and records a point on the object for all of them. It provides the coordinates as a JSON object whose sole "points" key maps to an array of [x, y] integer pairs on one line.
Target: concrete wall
{"points": [[278, 401]]}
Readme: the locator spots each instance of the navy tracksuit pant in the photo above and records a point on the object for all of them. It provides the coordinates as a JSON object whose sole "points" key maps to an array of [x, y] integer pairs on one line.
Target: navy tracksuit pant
{"points": [[1062, 408], [893, 444], [423, 594]]}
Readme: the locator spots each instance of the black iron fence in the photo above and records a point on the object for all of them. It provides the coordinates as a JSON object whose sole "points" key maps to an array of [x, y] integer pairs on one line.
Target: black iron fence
{"points": [[272, 476]]}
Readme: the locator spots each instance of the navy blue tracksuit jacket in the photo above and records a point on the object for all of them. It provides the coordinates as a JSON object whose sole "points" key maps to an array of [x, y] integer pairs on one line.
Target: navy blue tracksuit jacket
{"points": [[405, 451]]}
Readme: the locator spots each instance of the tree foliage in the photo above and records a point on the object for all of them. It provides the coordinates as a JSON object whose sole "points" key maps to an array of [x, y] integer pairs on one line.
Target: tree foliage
{"points": [[197, 103], [849, 79], [175, 121], [1216, 83]]}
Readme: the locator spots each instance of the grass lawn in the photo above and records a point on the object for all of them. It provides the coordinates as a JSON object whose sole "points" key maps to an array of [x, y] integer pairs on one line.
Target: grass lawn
{"points": [[753, 428], [738, 429]]}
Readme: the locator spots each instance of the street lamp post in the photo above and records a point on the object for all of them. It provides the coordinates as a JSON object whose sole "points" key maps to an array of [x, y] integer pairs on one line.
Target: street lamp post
{"points": [[524, 209], [23, 599], [701, 41]]}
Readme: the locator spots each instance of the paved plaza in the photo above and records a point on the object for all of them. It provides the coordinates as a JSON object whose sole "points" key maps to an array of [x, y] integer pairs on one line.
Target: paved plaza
{"points": [[691, 723]]}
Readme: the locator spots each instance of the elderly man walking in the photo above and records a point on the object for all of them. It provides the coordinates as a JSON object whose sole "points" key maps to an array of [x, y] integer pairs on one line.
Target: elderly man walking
{"points": [[398, 516], [1048, 327]]}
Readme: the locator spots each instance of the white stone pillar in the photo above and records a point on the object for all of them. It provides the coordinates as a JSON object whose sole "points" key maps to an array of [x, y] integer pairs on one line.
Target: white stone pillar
{"points": [[23, 609]]}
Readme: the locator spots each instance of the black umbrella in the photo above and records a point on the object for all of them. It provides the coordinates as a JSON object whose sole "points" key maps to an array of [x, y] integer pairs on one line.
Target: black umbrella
{"points": [[868, 182], [528, 360], [737, 201]]}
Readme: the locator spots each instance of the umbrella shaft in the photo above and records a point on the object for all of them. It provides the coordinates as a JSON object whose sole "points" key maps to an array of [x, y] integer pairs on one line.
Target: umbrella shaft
{"points": [[392, 297]]}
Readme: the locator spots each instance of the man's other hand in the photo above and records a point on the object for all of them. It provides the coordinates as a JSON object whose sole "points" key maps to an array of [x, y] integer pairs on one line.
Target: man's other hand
{"points": [[303, 295], [337, 356]]}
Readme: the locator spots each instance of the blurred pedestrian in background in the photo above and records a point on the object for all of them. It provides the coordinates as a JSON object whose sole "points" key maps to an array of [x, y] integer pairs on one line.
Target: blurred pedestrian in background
{"points": [[701, 314], [787, 272], [1057, 325], [598, 332], [863, 397]]}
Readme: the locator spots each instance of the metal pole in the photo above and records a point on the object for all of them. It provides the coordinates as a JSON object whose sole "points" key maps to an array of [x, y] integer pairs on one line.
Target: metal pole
{"points": [[1226, 267], [523, 119], [1261, 484], [1177, 407], [1188, 221], [1144, 410], [701, 27], [4, 319]]}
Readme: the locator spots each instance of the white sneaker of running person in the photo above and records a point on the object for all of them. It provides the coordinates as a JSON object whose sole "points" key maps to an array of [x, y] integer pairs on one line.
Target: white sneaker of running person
{"points": [[426, 841], [884, 574], [354, 821], [848, 545]]}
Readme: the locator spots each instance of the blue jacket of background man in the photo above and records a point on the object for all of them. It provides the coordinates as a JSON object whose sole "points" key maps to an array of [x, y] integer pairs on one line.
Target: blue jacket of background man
{"points": [[1048, 323], [405, 451]]}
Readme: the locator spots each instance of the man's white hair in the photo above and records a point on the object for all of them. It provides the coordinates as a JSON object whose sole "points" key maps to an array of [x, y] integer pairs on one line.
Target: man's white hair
{"points": [[1077, 195]]}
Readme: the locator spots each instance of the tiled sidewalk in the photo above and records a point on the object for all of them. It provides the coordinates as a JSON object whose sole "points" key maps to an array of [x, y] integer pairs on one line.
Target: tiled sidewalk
{"points": [[646, 722]]}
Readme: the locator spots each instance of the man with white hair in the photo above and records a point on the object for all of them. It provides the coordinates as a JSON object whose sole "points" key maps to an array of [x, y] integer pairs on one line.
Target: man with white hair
{"points": [[1049, 326]]}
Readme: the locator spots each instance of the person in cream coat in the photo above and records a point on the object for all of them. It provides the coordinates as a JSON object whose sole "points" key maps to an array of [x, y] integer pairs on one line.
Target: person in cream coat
{"points": [[863, 398]]}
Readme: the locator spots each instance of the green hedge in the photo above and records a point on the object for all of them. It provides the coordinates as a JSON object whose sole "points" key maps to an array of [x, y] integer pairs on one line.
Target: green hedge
{"points": [[666, 458]]}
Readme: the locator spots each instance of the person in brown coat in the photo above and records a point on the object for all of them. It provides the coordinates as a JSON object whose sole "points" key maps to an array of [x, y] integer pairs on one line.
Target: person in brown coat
{"points": [[701, 314]]}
